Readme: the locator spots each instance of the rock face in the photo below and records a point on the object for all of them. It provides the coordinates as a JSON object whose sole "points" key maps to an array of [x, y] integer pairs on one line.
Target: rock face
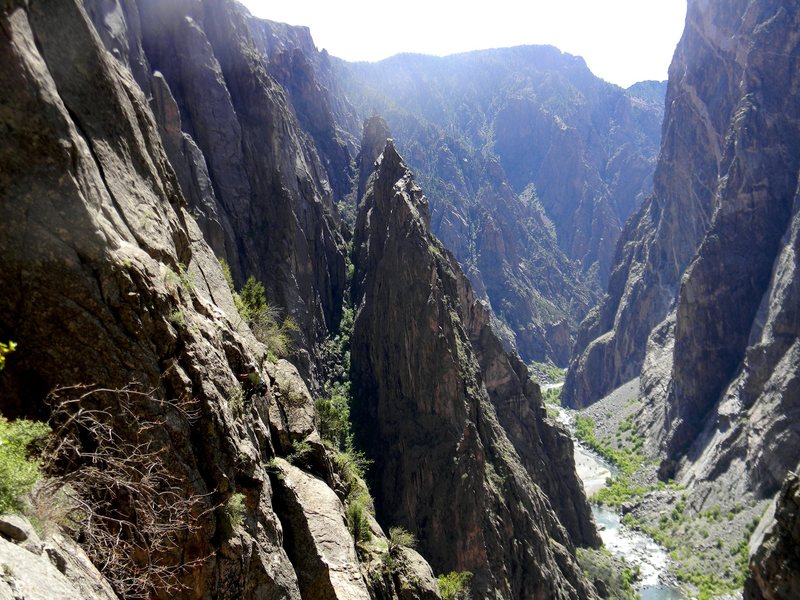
{"points": [[704, 299], [247, 129], [54, 569], [463, 454], [775, 567], [327, 568], [531, 163], [109, 283]]}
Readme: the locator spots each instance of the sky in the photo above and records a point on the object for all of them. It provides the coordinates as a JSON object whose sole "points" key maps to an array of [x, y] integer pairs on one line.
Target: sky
{"points": [[622, 41]]}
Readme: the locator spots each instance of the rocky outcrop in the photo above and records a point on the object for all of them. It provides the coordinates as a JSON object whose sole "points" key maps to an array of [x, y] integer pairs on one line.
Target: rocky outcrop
{"points": [[51, 569], [775, 566], [532, 165], [316, 527], [703, 300], [373, 141], [94, 233], [463, 454], [306, 76]]}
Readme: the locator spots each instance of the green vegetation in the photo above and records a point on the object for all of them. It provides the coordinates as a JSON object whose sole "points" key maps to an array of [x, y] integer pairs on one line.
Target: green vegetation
{"points": [[19, 469], [628, 459], [685, 536], [399, 537], [548, 371], [455, 585], [5, 350], [333, 408], [614, 572], [708, 585], [704, 557], [619, 490], [358, 521], [333, 413], [234, 510], [263, 319], [300, 452], [180, 281], [177, 318], [552, 396]]}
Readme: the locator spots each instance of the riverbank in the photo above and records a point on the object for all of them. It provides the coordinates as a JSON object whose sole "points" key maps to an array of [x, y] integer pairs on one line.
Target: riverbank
{"points": [[637, 549], [704, 530]]}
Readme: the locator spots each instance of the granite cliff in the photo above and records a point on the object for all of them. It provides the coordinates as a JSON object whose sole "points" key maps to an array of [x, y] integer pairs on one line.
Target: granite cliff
{"points": [[111, 286], [703, 299], [214, 76], [775, 565], [463, 453], [142, 141]]}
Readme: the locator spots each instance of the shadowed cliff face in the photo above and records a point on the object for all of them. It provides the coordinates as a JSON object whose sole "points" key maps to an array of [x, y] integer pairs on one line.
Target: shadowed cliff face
{"points": [[659, 241], [463, 455], [92, 231], [245, 125], [109, 284], [531, 164], [703, 302]]}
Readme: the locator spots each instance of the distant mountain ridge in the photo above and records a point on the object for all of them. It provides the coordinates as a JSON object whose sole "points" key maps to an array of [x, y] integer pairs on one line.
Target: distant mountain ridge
{"points": [[531, 163]]}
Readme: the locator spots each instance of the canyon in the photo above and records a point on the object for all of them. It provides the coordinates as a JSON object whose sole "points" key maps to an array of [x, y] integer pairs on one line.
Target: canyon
{"points": [[186, 190]]}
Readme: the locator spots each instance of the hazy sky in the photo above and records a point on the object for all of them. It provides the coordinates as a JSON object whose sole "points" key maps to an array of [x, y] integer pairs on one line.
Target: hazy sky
{"points": [[623, 41]]}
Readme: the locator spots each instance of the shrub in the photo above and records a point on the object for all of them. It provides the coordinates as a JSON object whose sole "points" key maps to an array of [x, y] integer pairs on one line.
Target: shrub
{"points": [[18, 469], [234, 510], [130, 512], [351, 466], [400, 537], [455, 585], [5, 350], [333, 414], [358, 521], [300, 451], [264, 320], [180, 280], [177, 318], [552, 396]]}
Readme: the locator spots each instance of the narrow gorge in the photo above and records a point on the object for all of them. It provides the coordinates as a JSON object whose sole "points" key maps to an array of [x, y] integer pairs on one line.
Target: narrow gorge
{"points": [[278, 325]]}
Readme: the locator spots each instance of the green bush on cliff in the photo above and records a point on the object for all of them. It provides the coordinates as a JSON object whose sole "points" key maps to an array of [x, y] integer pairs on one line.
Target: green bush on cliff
{"points": [[234, 510], [358, 521], [5, 350], [19, 470], [455, 585], [333, 413], [263, 319], [333, 408], [399, 537]]}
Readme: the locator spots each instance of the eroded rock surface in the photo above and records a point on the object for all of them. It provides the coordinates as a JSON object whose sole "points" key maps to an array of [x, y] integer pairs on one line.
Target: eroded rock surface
{"points": [[463, 454], [703, 301], [775, 566], [110, 283]]}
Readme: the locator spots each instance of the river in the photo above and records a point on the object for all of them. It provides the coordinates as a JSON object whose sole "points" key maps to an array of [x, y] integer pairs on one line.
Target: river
{"points": [[635, 547]]}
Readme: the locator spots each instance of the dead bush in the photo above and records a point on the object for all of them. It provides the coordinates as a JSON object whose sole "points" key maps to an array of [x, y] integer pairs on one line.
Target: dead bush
{"points": [[120, 500]]}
